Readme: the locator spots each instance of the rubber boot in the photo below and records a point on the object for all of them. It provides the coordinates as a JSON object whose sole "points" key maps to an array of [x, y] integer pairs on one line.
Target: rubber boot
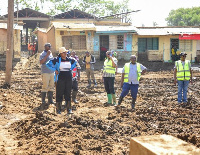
{"points": [[74, 94], [42, 106], [120, 100], [109, 99], [69, 107], [133, 103], [114, 99], [50, 97], [95, 83], [58, 107], [89, 84]]}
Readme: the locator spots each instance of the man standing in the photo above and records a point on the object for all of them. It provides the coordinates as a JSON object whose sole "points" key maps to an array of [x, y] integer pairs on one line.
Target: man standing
{"points": [[109, 70], [47, 75], [182, 75], [131, 74], [89, 61]]}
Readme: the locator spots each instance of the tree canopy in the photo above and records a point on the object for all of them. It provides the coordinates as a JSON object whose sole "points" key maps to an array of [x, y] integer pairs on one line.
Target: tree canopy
{"points": [[184, 17], [95, 7]]}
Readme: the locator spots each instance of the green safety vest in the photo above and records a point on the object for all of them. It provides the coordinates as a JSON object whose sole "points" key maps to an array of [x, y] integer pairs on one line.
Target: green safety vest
{"points": [[183, 73], [108, 68], [127, 69]]}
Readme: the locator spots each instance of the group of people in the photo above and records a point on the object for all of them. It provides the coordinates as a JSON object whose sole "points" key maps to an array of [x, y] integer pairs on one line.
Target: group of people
{"points": [[64, 72]]}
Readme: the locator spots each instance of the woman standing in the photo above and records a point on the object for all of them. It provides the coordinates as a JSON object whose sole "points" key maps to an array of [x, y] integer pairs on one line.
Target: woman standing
{"points": [[62, 65]]}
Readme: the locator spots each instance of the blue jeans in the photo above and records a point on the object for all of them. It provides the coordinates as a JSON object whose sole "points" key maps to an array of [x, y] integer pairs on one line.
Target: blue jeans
{"points": [[182, 91], [133, 87]]}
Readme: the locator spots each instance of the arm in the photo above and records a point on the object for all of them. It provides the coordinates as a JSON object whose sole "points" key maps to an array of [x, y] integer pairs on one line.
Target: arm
{"points": [[122, 79], [73, 63], [83, 60], [144, 71], [45, 58], [113, 63], [175, 71], [93, 60], [51, 65]]}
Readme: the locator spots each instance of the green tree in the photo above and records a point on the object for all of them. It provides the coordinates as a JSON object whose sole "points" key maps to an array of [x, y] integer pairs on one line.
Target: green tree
{"points": [[95, 7], [184, 17]]}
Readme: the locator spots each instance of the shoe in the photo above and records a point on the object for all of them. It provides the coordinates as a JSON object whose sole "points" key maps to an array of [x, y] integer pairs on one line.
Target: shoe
{"points": [[69, 111], [120, 101], [133, 103], [89, 84], [95, 83], [114, 100], [109, 96], [58, 107], [42, 106], [74, 94]]}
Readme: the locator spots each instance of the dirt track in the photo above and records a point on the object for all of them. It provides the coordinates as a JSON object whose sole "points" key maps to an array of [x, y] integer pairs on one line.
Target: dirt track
{"points": [[93, 128]]}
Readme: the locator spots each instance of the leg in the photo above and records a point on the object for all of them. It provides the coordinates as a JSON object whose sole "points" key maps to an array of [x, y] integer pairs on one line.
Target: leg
{"points": [[180, 89], [60, 88], [88, 76], [51, 89], [74, 91], [106, 85], [92, 77], [112, 89], [67, 95], [134, 91], [185, 88], [125, 90], [45, 81]]}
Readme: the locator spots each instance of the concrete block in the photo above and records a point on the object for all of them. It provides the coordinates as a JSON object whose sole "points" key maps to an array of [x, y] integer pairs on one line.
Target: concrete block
{"points": [[161, 145]]}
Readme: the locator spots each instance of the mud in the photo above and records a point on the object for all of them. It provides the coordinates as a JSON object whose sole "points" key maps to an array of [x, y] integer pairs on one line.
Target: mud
{"points": [[93, 128]]}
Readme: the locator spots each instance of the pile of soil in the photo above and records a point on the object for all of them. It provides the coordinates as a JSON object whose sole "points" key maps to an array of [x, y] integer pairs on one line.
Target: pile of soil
{"points": [[93, 128]]}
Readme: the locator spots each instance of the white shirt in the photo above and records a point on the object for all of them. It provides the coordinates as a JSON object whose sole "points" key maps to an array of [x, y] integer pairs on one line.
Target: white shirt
{"points": [[65, 66], [133, 75]]}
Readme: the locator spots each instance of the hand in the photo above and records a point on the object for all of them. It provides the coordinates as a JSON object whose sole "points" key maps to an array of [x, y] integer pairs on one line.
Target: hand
{"points": [[56, 72], [48, 52], [175, 81]]}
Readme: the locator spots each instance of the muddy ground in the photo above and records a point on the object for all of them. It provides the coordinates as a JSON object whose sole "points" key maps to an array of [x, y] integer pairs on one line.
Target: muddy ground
{"points": [[93, 128]]}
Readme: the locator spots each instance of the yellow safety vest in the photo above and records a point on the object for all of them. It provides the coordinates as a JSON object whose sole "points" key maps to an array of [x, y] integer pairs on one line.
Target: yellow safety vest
{"points": [[108, 68], [127, 70], [183, 73]]}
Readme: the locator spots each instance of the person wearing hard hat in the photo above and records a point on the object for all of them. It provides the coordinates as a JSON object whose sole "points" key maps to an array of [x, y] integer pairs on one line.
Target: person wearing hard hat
{"points": [[131, 74], [109, 70], [47, 76], [63, 65], [182, 76]]}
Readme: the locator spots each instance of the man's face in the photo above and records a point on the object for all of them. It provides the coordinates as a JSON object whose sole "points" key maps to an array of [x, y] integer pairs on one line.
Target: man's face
{"points": [[47, 48], [133, 60], [73, 54], [183, 57], [87, 54], [108, 54]]}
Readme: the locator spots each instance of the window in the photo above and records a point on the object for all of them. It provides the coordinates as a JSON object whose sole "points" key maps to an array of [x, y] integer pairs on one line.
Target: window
{"points": [[185, 45], [148, 44], [120, 42], [74, 42]]}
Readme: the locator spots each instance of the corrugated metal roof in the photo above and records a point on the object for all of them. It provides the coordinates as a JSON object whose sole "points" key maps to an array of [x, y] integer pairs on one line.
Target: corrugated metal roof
{"points": [[100, 29], [167, 31], [15, 26]]}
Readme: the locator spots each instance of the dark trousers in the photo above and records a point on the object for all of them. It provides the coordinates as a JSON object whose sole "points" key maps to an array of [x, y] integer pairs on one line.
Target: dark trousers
{"points": [[75, 85], [64, 87], [109, 85]]}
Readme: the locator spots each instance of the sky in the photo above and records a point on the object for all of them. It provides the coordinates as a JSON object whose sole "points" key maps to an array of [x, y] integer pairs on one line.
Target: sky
{"points": [[151, 10]]}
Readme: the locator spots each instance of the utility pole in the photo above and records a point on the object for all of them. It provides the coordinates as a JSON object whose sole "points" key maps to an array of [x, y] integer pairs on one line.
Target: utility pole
{"points": [[10, 40]]}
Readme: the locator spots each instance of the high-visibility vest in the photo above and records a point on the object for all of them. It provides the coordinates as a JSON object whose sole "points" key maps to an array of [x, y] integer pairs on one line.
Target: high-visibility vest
{"points": [[183, 73], [127, 70], [108, 68]]}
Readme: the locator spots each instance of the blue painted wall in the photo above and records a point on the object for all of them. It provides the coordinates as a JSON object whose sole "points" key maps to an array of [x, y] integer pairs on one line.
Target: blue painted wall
{"points": [[96, 42]]}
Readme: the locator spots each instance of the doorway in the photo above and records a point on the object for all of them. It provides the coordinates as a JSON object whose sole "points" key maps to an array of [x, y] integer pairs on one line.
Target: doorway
{"points": [[104, 46], [174, 48]]}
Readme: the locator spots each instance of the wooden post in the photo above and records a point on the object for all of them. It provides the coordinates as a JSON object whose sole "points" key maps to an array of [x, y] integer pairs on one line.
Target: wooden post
{"points": [[10, 40]]}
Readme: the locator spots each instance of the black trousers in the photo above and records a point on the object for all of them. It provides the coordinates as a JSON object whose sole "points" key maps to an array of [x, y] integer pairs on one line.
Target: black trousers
{"points": [[64, 87], [75, 85], [109, 85]]}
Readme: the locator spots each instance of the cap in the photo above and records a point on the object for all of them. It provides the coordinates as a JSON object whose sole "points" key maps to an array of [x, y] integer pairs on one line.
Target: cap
{"points": [[47, 44], [182, 53], [62, 49]]}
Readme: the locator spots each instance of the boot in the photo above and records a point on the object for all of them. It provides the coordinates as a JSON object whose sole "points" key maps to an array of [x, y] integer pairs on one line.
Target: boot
{"points": [[50, 97], [89, 84], [74, 94], [95, 83], [120, 100], [109, 99], [42, 106], [69, 107], [58, 107], [114, 99], [133, 103]]}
